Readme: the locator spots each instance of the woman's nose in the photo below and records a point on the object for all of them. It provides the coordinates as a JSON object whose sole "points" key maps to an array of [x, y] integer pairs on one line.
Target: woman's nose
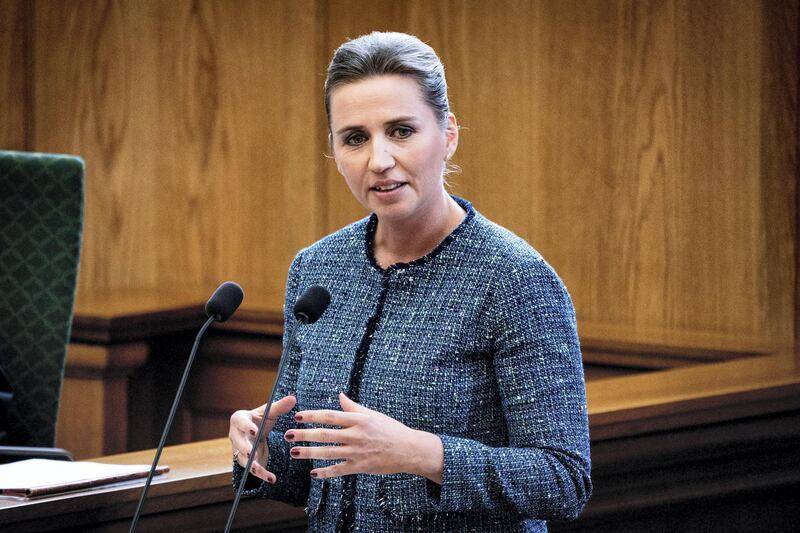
{"points": [[380, 157]]}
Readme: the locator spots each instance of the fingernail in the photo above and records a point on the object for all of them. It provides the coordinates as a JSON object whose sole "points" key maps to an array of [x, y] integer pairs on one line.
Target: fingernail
{"points": [[289, 435], [295, 452], [272, 480], [253, 433], [314, 474], [298, 418]]}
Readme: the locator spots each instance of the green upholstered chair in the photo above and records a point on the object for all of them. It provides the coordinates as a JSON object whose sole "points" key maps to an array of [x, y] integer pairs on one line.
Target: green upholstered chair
{"points": [[41, 222]]}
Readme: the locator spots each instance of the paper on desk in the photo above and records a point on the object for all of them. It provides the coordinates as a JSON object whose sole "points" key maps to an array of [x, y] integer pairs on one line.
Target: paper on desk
{"points": [[40, 477]]}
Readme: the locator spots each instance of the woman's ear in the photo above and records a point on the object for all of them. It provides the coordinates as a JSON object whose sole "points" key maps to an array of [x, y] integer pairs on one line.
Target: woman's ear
{"points": [[333, 152], [451, 136]]}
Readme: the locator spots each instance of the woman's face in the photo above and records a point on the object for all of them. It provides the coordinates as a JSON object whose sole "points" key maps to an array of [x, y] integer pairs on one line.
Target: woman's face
{"points": [[389, 146]]}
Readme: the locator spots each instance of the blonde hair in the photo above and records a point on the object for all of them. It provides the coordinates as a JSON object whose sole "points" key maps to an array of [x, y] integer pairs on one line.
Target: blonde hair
{"points": [[380, 53]]}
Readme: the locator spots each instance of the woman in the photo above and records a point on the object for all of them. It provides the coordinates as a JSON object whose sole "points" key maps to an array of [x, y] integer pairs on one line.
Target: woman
{"points": [[442, 390]]}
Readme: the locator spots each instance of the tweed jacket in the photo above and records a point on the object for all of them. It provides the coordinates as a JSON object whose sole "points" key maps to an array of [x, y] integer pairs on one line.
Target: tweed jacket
{"points": [[475, 342]]}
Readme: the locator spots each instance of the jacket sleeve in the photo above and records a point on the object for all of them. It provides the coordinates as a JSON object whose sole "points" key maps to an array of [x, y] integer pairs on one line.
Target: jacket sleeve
{"points": [[293, 477], [544, 472]]}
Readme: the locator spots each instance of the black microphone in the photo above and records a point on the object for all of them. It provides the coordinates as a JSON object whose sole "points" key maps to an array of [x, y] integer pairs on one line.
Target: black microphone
{"points": [[311, 304], [307, 310], [222, 304], [225, 301]]}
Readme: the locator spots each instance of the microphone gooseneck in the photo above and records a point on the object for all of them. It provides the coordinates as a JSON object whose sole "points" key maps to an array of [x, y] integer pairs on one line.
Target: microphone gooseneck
{"points": [[222, 304], [307, 310]]}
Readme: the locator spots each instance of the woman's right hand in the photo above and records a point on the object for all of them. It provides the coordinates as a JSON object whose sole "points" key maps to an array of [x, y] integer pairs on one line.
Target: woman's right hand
{"points": [[243, 430]]}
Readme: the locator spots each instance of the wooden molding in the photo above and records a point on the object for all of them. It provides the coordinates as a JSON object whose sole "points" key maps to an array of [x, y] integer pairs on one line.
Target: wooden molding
{"points": [[656, 348]]}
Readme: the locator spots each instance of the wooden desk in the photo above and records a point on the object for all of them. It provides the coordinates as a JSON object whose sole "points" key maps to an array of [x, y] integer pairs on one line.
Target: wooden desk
{"points": [[707, 448], [672, 448], [195, 495]]}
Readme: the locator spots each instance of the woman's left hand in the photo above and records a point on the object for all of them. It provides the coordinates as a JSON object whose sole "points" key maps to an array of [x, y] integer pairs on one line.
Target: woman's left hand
{"points": [[368, 442]]}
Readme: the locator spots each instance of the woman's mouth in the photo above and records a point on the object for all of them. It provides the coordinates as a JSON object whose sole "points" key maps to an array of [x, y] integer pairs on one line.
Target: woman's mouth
{"points": [[387, 188]]}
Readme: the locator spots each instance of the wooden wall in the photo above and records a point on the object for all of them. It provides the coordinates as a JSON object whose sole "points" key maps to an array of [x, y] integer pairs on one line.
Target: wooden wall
{"points": [[646, 148]]}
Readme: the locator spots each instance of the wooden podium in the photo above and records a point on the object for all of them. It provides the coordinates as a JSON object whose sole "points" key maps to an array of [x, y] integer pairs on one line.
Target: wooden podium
{"points": [[195, 495], [667, 454], [688, 448]]}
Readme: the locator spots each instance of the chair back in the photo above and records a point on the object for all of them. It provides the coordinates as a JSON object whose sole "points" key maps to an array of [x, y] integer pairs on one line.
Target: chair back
{"points": [[41, 223]]}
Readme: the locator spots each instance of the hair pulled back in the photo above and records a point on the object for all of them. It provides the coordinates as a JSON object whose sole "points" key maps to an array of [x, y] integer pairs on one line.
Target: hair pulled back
{"points": [[380, 53]]}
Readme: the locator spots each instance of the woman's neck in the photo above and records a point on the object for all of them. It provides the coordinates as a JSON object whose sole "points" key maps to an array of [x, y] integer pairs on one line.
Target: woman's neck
{"points": [[403, 241]]}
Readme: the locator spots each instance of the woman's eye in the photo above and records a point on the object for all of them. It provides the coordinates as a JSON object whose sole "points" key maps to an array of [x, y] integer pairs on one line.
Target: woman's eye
{"points": [[403, 132], [355, 139]]}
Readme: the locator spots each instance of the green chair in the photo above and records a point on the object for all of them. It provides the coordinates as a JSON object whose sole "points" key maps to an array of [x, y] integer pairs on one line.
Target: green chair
{"points": [[41, 222]]}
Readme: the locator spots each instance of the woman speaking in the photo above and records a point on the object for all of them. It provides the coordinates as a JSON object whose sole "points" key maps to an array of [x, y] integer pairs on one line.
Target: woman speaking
{"points": [[443, 389]]}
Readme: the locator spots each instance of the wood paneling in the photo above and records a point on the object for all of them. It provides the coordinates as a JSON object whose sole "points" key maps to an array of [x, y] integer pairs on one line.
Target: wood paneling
{"points": [[93, 414], [16, 47], [198, 122], [637, 145], [778, 199], [646, 148]]}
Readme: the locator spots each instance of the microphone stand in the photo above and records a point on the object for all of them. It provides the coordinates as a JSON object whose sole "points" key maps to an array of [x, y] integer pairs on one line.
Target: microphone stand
{"points": [[169, 422], [259, 435]]}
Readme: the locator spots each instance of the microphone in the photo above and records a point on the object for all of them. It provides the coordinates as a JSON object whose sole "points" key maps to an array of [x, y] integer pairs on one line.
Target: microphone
{"points": [[311, 304], [222, 304], [307, 310], [225, 301]]}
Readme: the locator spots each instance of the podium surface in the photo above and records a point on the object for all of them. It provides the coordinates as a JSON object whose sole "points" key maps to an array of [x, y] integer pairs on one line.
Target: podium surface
{"points": [[196, 494]]}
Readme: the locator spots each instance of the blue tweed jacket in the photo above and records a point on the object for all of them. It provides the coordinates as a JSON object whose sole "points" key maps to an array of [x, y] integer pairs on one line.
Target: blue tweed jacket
{"points": [[475, 342]]}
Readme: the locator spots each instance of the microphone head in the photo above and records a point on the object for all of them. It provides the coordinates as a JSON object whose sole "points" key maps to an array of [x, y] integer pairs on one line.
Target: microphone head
{"points": [[225, 301], [311, 304]]}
